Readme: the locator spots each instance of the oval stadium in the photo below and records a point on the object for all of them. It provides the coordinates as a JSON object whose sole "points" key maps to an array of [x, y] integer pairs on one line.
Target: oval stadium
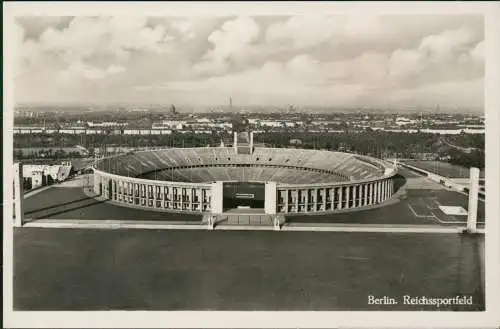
{"points": [[245, 178]]}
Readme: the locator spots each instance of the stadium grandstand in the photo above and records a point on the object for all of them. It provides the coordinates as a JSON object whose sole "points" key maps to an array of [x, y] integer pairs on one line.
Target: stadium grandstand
{"points": [[282, 180]]}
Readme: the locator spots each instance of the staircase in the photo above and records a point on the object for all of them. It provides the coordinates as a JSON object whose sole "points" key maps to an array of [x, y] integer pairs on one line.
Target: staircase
{"points": [[242, 219]]}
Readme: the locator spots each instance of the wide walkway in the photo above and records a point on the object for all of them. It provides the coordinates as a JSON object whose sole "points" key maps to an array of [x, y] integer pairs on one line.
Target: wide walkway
{"points": [[297, 227]]}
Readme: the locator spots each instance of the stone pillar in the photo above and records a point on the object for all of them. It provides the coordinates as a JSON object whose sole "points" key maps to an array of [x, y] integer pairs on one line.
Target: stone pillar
{"points": [[276, 223], [154, 195], [325, 198], [387, 189], [366, 194], [383, 191], [354, 196], [306, 205], [135, 192], [296, 200], [286, 200], [217, 195], [211, 222], [315, 199], [372, 193], [18, 195], [354, 200], [379, 192], [369, 196], [270, 198], [199, 192], [348, 196], [251, 142], [97, 180], [339, 197], [359, 195], [473, 199], [191, 196], [379, 199], [124, 191], [330, 192], [235, 142]]}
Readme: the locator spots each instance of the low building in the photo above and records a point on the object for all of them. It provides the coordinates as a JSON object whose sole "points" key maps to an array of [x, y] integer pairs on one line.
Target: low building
{"points": [[42, 175]]}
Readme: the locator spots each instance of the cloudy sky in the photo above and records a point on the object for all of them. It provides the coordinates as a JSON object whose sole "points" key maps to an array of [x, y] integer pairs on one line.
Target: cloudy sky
{"points": [[305, 60]]}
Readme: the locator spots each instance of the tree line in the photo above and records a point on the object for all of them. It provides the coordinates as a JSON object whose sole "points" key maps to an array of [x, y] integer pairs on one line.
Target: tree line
{"points": [[370, 142]]}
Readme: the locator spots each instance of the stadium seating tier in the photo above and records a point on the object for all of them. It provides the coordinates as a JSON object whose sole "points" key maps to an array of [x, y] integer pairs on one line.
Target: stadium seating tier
{"points": [[293, 166]]}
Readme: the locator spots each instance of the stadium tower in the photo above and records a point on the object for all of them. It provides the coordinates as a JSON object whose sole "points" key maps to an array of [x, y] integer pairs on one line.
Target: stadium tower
{"points": [[243, 137]]}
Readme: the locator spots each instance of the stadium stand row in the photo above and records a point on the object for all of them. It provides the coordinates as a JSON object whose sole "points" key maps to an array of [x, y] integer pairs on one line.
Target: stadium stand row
{"points": [[265, 164], [210, 174]]}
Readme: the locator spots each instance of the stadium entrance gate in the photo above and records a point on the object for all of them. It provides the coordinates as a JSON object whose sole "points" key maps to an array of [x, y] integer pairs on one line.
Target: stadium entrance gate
{"points": [[243, 195]]}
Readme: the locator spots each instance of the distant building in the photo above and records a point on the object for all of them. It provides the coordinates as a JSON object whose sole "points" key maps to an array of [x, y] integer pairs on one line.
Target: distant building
{"points": [[169, 124], [105, 124], [269, 123], [173, 110], [401, 121], [35, 176], [295, 142]]}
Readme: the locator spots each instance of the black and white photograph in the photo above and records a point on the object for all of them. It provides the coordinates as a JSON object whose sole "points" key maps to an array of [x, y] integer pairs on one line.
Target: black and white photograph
{"points": [[251, 158]]}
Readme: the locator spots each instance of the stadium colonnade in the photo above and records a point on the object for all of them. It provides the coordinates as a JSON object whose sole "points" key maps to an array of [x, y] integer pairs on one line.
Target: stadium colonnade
{"points": [[355, 181]]}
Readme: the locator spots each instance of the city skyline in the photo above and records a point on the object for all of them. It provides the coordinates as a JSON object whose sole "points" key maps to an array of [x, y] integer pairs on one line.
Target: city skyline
{"points": [[322, 61]]}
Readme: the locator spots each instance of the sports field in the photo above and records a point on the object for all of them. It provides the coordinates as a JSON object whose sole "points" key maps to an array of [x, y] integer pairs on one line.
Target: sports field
{"points": [[73, 269]]}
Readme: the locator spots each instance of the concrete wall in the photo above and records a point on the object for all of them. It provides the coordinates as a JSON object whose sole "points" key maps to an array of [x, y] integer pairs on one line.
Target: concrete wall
{"points": [[161, 195], [330, 198]]}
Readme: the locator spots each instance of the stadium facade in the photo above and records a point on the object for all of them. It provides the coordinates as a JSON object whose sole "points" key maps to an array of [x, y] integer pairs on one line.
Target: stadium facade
{"points": [[216, 179]]}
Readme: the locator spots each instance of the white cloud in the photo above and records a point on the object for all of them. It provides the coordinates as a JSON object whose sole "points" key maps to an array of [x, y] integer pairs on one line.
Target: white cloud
{"points": [[303, 31], [230, 42], [18, 37], [88, 37], [438, 54], [81, 70], [185, 27], [363, 26], [405, 62], [477, 53], [447, 44], [302, 59]]}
